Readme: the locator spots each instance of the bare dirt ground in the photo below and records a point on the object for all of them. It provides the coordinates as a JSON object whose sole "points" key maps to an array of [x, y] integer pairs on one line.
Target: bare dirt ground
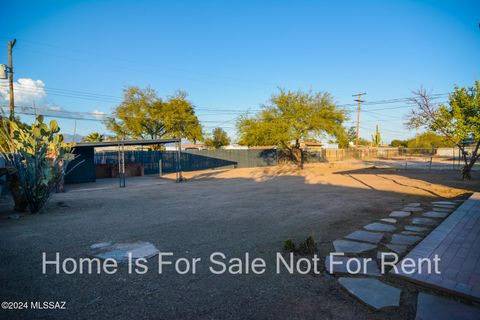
{"points": [[233, 211]]}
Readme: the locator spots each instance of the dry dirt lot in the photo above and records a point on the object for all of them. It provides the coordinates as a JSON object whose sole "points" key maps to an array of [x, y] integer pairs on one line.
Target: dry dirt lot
{"points": [[232, 211]]}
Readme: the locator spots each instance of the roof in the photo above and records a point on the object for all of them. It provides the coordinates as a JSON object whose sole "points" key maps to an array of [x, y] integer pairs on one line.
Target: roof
{"points": [[312, 143], [126, 143]]}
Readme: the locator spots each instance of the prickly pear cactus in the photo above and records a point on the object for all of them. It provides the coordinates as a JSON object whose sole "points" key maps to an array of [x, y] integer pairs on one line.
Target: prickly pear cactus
{"points": [[39, 155]]}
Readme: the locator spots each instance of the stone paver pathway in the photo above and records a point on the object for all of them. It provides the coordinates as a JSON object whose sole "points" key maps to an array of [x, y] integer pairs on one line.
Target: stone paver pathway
{"points": [[373, 292], [412, 209], [399, 214], [347, 246], [366, 236], [424, 221], [435, 214], [379, 227], [405, 240], [456, 241], [415, 228]]}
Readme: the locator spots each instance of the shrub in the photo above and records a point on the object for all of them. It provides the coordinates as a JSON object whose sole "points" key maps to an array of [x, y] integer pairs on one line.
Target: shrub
{"points": [[39, 157], [308, 246], [289, 246]]}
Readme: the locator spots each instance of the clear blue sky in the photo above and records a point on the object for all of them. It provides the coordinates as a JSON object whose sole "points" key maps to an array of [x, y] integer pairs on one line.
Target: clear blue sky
{"points": [[232, 55]]}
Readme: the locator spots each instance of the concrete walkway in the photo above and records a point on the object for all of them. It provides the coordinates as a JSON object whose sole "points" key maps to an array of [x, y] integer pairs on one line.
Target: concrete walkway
{"points": [[456, 241]]}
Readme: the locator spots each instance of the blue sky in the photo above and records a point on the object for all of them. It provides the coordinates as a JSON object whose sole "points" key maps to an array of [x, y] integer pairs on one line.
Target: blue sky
{"points": [[230, 56]]}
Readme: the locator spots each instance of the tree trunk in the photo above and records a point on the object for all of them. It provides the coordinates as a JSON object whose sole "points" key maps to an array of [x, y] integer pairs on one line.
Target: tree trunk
{"points": [[467, 168], [297, 155]]}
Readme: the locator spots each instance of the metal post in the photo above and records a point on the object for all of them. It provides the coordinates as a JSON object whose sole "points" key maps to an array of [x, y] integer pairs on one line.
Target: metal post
{"points": [[160, 168], [178, 154], [121, 164]]}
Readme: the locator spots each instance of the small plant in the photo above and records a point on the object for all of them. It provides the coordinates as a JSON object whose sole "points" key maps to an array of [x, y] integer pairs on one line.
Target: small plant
{"points": [[289, 246], [37, 155], [308, 246]]}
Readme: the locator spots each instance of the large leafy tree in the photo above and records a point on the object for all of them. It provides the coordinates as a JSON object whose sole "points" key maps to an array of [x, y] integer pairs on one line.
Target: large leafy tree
{"points": [[458, 121], [218, 139], [293, 116], [143, 115]]}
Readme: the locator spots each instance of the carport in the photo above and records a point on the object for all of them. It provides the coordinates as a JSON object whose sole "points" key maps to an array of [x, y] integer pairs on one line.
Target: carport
{"points": [[83, 166]]}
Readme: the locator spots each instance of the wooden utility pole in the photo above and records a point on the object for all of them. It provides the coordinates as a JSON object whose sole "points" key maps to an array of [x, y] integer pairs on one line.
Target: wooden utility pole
{"points": [[358, 95], [11, 44]]}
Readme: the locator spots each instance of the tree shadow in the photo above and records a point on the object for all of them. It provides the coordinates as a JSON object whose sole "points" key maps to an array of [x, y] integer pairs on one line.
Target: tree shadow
{"points": [[450, 178]]}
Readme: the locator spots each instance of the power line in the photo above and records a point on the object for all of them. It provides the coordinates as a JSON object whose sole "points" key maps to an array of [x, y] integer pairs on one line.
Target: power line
{"points": [[117, 99]]}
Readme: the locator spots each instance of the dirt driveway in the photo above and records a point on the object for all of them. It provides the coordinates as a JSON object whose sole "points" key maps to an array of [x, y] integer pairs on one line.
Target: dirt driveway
{"points": [[232, 211]]}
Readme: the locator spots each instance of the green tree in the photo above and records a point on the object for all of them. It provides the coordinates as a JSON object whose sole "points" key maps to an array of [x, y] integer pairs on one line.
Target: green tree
{"points": [[291, 117], [351, 137], [345, 140], [376, 138], [218, 139], [457, 121], [143, 115], [363, 142], [352, 134], [399, 143], [429, 140], [94, 137]]}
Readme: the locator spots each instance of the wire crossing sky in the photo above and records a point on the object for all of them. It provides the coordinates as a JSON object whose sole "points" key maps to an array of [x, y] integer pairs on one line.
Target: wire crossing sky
{"points": [[73, 58]]}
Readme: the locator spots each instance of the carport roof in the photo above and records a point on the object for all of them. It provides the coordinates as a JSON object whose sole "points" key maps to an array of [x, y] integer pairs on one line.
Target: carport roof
{"points": [[126, 143]]}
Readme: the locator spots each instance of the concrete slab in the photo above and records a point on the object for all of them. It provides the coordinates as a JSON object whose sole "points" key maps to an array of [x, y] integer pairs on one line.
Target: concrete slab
{"points": [[101, 245], [347, 246], [120, 251], [372, 292], [399, 214], [404, 240], [366, 236], [380, 227], [430, 307], [389, 220], [358, 266], [424, 221], [415, 228], [435, 214]]}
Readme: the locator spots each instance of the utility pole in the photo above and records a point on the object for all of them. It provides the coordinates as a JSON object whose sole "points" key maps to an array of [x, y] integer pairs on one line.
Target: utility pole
{"points": [[11, 44], [358, 95]]}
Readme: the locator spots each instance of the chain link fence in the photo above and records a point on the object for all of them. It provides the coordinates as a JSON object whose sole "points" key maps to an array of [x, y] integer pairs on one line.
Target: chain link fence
{"points": [[422, 158]]}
